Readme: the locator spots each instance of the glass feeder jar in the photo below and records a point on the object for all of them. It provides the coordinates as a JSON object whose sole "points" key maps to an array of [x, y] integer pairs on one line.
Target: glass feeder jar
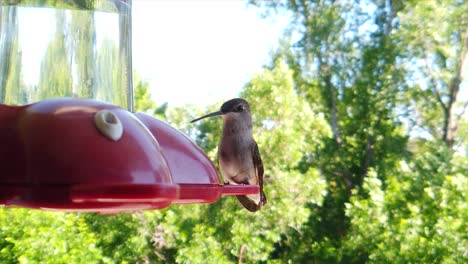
{"points": [[73, 48]]}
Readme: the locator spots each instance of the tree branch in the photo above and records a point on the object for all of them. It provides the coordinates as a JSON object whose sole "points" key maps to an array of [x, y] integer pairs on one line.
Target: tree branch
{"points": [[434, 86], [241, 253], [451, 126], [460, 115], [331, 100]]}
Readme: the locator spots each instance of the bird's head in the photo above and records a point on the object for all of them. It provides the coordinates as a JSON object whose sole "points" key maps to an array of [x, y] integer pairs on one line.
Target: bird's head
{"points": [[235, 109]]}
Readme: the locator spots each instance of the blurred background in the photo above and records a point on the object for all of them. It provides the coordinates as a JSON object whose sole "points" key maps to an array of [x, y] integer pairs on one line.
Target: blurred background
{"points": [[360, 113]]}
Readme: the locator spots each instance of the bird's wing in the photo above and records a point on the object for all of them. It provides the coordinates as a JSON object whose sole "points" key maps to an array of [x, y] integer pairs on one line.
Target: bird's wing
{"points": [[258, 164], [246, 200], [219, 168]]}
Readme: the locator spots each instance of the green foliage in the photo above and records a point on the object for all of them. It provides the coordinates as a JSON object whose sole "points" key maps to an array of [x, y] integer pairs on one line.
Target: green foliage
{"points": [[122, 238], [435, 55], [56, 77], [12, 89], [111, 74], [418, 218], [84, 37], [143, 101], [107, 80], [282, 119], [30, 236], [69, 4], [358, 77], [142, 96]]}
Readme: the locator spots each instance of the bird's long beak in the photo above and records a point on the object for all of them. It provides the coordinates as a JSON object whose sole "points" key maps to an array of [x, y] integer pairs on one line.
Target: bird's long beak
{"points": [[208, 115]]}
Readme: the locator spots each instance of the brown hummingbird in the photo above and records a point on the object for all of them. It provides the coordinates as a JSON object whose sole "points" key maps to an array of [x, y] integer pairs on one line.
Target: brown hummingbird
{"points": [[238, 156]]}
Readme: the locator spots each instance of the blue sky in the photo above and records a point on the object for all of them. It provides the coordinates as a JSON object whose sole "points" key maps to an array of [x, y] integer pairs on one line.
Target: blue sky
{"points": [[200, 52]]}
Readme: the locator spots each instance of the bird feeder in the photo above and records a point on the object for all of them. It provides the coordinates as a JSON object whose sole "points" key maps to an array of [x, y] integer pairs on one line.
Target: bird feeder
{"points": [[69, 137]]}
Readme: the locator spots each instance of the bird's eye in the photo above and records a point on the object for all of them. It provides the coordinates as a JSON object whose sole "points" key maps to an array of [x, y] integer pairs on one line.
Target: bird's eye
{"points": [[240, 108]]}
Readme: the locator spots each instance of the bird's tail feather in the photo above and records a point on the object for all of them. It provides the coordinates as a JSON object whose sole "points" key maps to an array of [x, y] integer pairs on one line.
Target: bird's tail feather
{"points": [[250, 204]]}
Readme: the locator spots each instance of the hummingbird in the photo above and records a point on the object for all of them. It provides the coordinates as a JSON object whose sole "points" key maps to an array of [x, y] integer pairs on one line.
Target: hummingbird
{"points": [[238, 156]]}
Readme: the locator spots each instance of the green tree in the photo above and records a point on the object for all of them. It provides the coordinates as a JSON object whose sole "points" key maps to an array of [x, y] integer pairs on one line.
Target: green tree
{"points": [[355, 63], [69, 4], [107, 79], [436, 57], [32, 236], [11, 88], [55, 77], [143, 101], [419, 217], [122, 238], [348, 74], [111, 74], [83, 39]]}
